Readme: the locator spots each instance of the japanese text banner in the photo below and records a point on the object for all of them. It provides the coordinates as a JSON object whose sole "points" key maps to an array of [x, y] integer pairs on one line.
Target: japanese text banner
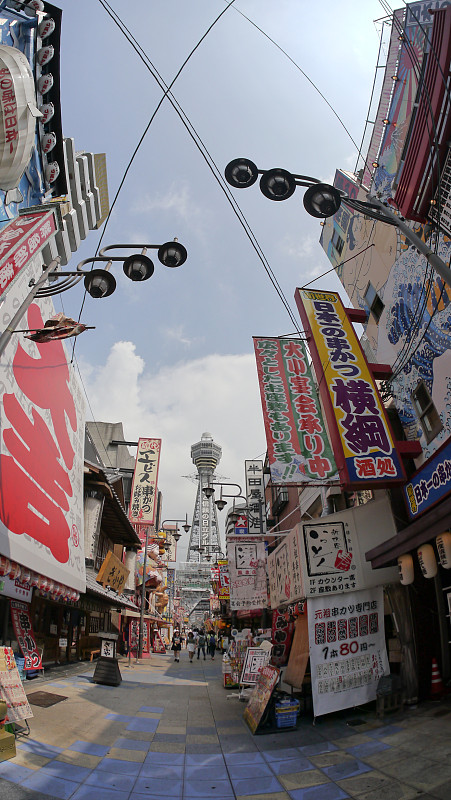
{"points": [[145, 480], [298, 445], [348, 655], [247, 572], [362, 441]]}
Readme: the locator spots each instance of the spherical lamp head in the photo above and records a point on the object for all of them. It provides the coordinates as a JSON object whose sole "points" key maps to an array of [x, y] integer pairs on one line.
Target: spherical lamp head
{"points": [[172, 254], [208, 491], [186, 527], [176, 536], [322, 200], [138, 267], [220, 504], [277, 184], [241, 173], [100, 283]]}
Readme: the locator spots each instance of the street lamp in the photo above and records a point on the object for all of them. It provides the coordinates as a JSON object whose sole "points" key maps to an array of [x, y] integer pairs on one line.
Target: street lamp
{"points": [[322, 200], [98, 282], [176, 534], [137, 267]]}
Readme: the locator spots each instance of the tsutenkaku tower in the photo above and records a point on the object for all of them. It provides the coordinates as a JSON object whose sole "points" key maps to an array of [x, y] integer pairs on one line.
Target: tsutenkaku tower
{"points": [[206, 456]]}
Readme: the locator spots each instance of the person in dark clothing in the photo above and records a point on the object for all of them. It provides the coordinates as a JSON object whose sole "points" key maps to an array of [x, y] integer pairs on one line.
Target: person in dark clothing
{"points": [[176, 645], [201, 644], [212, 646]]}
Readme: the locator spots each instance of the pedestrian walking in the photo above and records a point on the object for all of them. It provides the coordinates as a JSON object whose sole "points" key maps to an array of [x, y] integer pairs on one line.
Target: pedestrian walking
{"points": [[191, 646], [212, 645], [176, 645], [201, 644]]}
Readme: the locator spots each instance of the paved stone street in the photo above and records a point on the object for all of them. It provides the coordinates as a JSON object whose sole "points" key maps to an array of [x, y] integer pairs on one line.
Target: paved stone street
{"points": [[170, 730]]}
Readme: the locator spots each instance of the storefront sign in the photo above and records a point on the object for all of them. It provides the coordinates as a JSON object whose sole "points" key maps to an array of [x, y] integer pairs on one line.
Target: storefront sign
{"points": [[430, 484], [362, 441], [284, 569], [259, 699], [281, 637], [20, 240], [298, 445], [113, 573], [247, 572], [224, 583], [347, 649], [255, 495], [255, 659], [145, 480], [11, 687], [20, 615], [41, 447], [16, 589], [333, 549]]}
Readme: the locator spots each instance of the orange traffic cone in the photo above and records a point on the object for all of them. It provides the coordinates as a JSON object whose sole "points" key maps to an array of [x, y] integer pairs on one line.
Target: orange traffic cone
{"points": [[437, 688]]}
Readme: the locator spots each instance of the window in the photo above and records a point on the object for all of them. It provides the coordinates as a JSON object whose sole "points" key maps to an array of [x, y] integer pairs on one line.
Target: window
{"points": [[426, 411], [337, 242], [374, 302]]}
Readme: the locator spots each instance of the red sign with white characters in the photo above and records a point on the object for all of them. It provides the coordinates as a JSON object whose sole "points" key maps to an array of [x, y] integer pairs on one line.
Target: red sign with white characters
{"points": [[20, 615], [20, 240]]}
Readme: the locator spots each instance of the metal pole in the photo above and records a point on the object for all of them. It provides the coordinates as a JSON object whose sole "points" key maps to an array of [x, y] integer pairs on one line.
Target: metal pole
{"points": [[5, 337], [143, 599], [434, 260]]}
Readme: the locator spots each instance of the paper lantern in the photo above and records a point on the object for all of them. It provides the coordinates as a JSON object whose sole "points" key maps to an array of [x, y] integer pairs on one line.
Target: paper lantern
{"points": [[427, 560], [33, 6], [45, 54], [45, 83], [5, 566], [25, 575], [406, 569], [43, 583], [48, 142], [47, 110], [52, 171], [15, 570], [443, 543], [34, 577], [46, 27]]}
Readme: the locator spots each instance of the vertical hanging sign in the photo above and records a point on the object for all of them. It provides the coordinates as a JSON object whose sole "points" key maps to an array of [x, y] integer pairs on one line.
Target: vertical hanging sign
{"points": [[145, 479], [298, 445], [362, 441], [255, 495]]}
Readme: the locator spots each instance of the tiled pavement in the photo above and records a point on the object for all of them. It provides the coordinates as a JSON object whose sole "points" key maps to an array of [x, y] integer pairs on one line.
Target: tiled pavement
{"points": [[171, 731]]}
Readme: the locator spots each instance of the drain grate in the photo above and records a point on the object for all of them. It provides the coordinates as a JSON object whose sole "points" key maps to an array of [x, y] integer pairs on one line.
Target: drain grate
{"points": [[45, 699]]}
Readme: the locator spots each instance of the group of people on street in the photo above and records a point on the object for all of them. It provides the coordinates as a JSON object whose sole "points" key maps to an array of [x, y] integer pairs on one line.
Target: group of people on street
{"points": [[196, 640]]}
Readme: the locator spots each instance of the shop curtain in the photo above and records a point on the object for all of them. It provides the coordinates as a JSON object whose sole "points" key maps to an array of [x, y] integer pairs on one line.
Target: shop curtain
{"points": [[398, 597]]}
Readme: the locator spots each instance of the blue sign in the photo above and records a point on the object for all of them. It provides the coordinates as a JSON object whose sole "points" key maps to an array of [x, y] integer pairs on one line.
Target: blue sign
{"points": [[430, 484]]}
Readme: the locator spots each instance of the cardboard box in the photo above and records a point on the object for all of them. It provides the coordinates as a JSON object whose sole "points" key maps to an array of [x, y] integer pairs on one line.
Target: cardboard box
{"points": [[7, 745]]}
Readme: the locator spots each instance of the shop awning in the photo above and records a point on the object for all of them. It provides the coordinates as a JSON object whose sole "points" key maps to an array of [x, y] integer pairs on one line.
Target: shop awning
{"points": [[115, 522], [435, 521], [109, 594]]}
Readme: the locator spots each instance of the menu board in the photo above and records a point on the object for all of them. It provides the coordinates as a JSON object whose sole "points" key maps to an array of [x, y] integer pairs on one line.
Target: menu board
{"points": [[267, 680], [256, 658], [11, 688]]}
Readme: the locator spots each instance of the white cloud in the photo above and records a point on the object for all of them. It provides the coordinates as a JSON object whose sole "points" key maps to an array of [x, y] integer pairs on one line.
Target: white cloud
{"points": [[300, 247], [216, 393], [178, 202]]}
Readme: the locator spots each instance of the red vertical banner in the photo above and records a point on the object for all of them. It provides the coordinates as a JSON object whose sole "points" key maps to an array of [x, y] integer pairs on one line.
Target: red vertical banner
{"points": [[20, 615]]}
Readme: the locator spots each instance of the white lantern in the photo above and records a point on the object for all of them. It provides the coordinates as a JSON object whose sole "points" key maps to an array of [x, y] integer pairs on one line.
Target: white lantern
{"points": [[52, 171], [427, 561], [47, 110], [46, 27], [45, 54], [443, 543], [45, 83], [406, 570], [48, 142]]}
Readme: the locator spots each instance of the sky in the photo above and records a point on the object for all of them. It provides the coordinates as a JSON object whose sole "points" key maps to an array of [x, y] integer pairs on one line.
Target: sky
{"points": [[173, 357]]}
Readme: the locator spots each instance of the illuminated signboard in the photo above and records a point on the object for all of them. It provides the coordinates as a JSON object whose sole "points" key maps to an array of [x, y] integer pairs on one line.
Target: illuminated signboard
{"points": [[298, 445], [362, 441]]}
